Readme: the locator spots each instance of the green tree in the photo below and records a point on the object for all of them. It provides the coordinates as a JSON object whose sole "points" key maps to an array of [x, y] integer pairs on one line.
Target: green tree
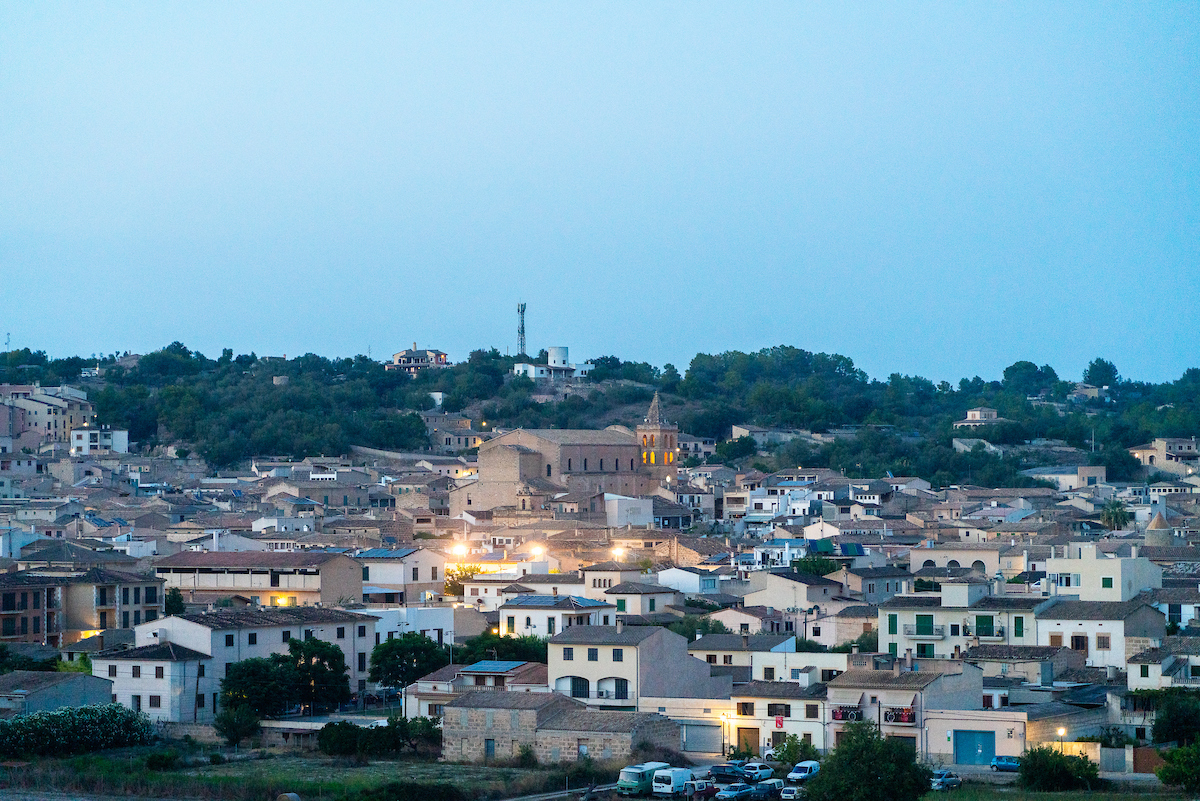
{"points": [[1182, 768], [493, 646], [322, 676], [689, 625], [81, 665], [795, 750], [456, 574], [815, 565], [1114, 515], [236, 723], [402, 660], [267, 686], [1046, 769], [173, 602], [866, 766], [1177, 718], [733, 449], [1101, 373]]}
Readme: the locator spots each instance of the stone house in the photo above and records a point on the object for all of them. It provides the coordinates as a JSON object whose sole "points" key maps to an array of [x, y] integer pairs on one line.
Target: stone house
{"points": [[23, 692], [482, 726]]}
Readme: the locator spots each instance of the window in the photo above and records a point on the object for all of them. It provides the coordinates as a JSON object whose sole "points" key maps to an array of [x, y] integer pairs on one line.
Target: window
{"points": [[287, 635], [568, 654], [1079, 642], [137, 596], [366, 573], [746, 708], [620, 604], [104, 620], [779, 710], [433, 574], [510, 625], [1145, 671], [124, 620], [252, 638], [816, 631], [415, 569], [1175, 613], [891, 624], [653, 604], [125, 595], [711, 659], [925, 649], [593, 654], [1102, 642], [727, 659], [811, 711], [112, 671], [341, 632], [768, 674], [1106, 582], [199, 700], [362, 631], [362, 662], [1056, 640], [158, 673], [618, 654], [137, 671], [953, 629], [200, 671], [228, 640], [151, 614], [155, 701]]}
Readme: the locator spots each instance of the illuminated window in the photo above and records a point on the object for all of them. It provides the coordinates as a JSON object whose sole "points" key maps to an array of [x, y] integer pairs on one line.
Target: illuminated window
{"points": [[651, 440], [651, 457], [645, 459]]}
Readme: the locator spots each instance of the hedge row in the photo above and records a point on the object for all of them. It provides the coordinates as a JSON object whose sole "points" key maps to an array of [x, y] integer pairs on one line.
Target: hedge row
{"points": [[77, 730]]}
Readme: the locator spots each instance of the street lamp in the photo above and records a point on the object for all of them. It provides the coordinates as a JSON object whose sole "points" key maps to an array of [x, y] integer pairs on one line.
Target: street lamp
{"points": [[460, 551], [538, 550], [618, 552], [1061, 732]]}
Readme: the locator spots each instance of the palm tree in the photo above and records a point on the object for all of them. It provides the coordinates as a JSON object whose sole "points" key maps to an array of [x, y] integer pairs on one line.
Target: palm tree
{"points": [[1114, 516]]}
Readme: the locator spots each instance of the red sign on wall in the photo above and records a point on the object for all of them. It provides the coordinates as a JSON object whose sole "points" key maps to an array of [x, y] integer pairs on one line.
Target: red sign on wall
{"points": [[779, 723]]}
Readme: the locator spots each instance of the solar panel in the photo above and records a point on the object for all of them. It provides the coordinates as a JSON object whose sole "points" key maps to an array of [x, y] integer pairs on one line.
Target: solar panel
{"points": [[493, 666]]}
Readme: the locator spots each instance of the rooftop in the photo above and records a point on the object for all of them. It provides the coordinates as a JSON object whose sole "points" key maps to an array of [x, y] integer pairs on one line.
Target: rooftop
{"points": [[29, 681], [604, 635], [883, 680], [739, 642], [159, 652], [273, 616]]}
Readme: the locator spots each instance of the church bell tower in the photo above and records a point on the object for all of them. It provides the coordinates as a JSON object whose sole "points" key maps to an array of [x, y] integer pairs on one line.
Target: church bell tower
{"points": [[659, 441]]}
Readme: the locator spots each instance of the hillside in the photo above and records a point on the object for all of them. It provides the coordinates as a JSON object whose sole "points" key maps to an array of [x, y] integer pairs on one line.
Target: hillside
{"points": [[231, 409]]}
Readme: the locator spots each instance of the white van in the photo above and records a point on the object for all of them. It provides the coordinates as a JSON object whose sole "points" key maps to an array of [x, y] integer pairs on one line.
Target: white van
{"points": [[669, 782]]}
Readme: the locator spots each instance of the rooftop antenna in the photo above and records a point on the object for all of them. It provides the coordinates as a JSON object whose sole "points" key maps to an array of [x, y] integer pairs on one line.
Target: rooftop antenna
{"points": [[521, 330]]}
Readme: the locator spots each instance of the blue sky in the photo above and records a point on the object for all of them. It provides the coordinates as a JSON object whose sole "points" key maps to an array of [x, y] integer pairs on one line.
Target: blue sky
{"points": [[939, 189]]}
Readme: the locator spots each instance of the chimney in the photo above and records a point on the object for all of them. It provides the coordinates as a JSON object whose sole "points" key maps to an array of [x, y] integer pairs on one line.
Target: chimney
{"points": [[1133, 552], [555, 591], [620, 625], [1110, 672], [908, 657], [958, 652], [745, 640], [854, 648], [699, 634], [895, 667]]}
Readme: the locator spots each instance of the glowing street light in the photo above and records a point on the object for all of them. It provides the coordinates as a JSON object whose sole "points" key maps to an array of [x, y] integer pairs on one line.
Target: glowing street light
{"points": [[1061, 732], [460, 550], [538, 550], [618, 552]]}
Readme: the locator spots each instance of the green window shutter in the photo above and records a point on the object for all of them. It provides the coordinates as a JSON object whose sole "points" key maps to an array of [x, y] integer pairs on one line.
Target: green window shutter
{"points": [[892, 624], [1018, 626], [620, 604], [984, 625], [925, 624], [892, 648]]}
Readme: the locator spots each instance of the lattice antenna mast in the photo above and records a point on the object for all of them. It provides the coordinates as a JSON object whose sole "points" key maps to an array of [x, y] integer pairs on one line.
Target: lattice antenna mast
{"points": [[521, 329]]}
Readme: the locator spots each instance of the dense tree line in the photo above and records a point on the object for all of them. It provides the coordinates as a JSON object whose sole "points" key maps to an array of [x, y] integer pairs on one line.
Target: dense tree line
{"points": [[230, 409]]}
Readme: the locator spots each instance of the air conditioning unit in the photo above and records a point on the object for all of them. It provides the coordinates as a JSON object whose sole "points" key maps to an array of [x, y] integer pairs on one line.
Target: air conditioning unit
{"points": [[601, 693]]}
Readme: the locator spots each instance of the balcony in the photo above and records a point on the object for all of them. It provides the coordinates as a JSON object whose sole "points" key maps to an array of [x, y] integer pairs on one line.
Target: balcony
{"points": [[992, 633], [924, 632], [847, 713], [900, 716]]}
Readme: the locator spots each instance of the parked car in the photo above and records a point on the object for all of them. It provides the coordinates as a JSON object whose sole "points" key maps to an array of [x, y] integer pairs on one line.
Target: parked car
{"points": [[739, 791], [669, 782], [699, 788], [768, 788], [757, 771], [793, 791], [1006, 763], [638, 779], [728, 772], [804, 771], [945, 780]]}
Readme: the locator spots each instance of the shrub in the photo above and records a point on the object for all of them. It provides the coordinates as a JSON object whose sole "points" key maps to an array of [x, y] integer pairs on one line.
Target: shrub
{"points": [[236, 723], [339, 739], [1047, 770], [162, 760], [1182, 768], [867, 765], [216, 759], [527, 757], [77, 730]]}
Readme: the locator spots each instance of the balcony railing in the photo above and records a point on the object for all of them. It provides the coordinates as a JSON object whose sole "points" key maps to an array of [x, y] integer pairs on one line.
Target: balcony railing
{"points": [[924, 632], [607, 695], [984, 632], [847, 713], [900, 716]]}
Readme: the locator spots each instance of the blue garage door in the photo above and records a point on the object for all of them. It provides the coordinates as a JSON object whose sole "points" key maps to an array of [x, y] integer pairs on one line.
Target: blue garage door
{"points": [[974, 747]]}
